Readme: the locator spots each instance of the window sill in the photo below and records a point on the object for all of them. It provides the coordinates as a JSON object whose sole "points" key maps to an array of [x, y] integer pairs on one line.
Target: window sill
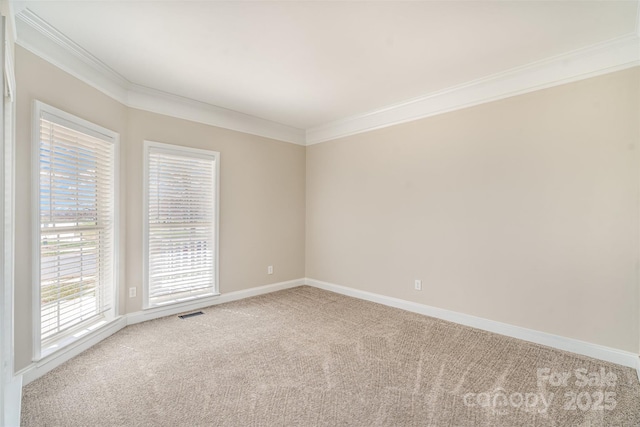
{"points": [[182, 302], [185, 304], [81, 340]]}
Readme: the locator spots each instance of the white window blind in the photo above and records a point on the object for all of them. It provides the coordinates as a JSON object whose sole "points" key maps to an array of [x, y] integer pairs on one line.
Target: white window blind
{"points": [[181, 223], [76, 215]]}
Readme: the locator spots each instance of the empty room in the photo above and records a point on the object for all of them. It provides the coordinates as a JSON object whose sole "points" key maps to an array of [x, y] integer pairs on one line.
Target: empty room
{"points": [[320, 213]]}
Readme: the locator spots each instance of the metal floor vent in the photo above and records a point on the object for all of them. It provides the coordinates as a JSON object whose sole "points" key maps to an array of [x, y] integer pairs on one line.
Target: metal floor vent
{"points": [[186, 316]]}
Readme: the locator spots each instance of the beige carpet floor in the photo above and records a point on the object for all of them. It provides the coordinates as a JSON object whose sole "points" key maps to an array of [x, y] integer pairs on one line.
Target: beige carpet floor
{"points": [[307, 357]]}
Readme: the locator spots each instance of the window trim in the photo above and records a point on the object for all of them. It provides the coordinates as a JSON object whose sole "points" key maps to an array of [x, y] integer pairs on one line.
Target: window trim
{"points": [[84, 126], [196, 152]]}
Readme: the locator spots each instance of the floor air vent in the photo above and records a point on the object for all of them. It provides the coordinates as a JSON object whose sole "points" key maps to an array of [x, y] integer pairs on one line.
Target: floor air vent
{"points": [[186, 316]]}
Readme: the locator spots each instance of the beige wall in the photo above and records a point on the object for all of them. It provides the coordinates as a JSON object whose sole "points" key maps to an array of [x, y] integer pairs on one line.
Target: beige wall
{"points": [[262, 201], [262, 190], [38, 79], [523, 211]]}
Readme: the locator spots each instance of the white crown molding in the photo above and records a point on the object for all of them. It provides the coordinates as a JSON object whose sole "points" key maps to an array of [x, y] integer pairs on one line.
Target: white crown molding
{"points": [[42, 39], [595, 351], [156, 101], [601, 58], [37, 36], [42, 27]]}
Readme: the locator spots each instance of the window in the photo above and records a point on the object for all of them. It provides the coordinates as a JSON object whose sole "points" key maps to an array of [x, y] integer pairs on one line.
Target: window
{"points": [[75, 238], [180, 224]]}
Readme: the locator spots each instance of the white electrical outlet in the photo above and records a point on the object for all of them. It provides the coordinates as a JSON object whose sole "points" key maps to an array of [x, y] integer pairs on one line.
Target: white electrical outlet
{"points": [[270, 269], [132, 292], [417, 285]]}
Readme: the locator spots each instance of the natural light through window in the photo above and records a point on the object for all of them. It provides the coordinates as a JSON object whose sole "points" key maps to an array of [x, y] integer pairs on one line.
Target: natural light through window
{"points": [[181, 209], [76, 216]]}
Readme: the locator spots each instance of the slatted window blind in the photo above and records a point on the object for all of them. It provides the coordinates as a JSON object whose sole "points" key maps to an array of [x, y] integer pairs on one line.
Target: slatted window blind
{"points": [[76, 212], [181, 245]]}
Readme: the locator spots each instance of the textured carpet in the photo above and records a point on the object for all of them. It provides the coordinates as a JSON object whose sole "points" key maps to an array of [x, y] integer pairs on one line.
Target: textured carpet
{"points": [[307, 357]]}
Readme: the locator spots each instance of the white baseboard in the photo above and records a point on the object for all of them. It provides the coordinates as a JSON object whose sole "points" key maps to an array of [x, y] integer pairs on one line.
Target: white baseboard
{"points": [[154, 313], [620, 357], [46, 364], [596, 351], [38, 369]]}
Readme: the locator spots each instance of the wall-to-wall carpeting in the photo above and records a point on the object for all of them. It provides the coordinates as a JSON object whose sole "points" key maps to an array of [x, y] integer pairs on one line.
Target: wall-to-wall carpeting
{"points": [[309, 357]]}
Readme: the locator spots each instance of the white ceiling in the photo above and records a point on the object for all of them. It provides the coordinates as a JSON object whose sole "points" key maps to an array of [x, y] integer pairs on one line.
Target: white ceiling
{"points": [[304, 64]]}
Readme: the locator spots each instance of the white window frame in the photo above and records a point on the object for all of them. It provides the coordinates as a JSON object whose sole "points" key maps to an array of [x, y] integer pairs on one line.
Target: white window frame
{"points": [[89, 128], [192, 152], [9, 414]]}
